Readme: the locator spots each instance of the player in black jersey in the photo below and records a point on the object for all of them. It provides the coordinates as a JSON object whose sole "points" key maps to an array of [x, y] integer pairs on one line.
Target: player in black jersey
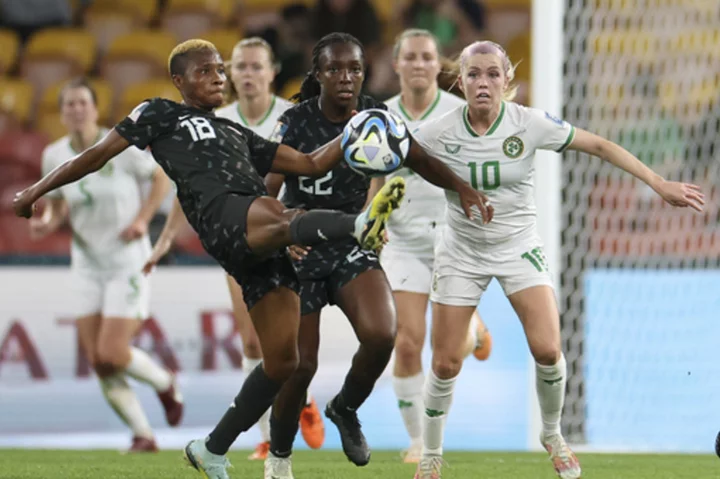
{"points": [[218, 167], [337, 272]]}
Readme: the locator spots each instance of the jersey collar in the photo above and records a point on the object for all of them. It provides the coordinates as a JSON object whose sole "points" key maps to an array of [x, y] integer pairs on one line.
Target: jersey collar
{"points": [[262, 120], [425, 114], [490, 130]]}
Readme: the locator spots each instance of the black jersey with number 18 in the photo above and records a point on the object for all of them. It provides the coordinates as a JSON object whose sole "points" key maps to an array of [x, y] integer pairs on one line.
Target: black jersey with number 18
{"points": [[204, 155]]}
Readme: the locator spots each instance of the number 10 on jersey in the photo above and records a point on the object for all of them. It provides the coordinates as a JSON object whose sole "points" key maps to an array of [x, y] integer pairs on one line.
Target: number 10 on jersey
{"points": [[489, 174]]}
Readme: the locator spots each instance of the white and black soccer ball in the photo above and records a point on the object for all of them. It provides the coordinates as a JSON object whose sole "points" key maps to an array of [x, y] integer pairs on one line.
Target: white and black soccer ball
{"points": [[375, 142]]}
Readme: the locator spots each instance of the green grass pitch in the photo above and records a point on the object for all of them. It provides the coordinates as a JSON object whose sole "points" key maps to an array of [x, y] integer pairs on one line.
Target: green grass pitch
{"points": [[53, 464]]}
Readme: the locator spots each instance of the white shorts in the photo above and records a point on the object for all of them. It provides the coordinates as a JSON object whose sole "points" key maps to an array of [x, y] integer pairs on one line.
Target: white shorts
{"points": [[406, 271], [461, 280], [113, 295]]}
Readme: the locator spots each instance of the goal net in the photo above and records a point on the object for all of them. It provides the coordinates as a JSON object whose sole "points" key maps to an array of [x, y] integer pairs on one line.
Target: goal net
{"points": [[645, 74]]}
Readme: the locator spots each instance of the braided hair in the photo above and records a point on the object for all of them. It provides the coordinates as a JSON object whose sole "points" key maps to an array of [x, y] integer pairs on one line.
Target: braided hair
{"points": [[310, 86]]}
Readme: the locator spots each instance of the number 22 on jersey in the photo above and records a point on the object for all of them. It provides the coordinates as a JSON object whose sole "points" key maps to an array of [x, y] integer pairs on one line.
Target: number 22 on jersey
{"points": [[316, 186]]}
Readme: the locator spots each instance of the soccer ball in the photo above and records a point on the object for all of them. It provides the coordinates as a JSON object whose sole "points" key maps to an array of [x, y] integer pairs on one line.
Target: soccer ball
{"points": [[375, 142]]}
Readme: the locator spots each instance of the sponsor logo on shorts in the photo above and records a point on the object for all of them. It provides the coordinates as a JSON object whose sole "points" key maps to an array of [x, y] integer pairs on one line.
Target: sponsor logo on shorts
{"points": [[513, 147]]}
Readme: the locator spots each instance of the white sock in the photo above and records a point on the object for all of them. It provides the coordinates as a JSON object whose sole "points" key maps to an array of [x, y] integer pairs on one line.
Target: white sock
{"points": [[264, 422], [550, 384], [438, 398], [308, 398], [409, 393], [123, 400], [143, 368]]}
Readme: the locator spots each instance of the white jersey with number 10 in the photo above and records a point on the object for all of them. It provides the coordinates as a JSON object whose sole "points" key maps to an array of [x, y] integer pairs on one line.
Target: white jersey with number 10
{"points": [[501, 164]]}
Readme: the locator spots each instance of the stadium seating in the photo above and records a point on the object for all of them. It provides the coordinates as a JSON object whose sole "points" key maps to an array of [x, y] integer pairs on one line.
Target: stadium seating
{"points": [[143, 10], [54, 54], [9, 45], [224, 40], [187, 19], [16, 98], [106, 26], [137, 57]]}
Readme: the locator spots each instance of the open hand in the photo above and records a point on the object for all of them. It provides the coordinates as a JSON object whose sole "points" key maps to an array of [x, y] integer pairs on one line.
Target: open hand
{"points": [[682, 195], [470, 197], [297, 252]]}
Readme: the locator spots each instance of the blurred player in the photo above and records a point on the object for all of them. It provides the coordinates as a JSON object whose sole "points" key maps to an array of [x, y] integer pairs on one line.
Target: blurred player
{"points": [[408, 257], [218, 167], [336, 272], [111, 297], [253, 105], [491, 142]]}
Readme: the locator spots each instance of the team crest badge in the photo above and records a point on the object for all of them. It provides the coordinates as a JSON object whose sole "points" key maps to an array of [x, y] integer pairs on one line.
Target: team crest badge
{"points": [[513, 147], [452, 149]]}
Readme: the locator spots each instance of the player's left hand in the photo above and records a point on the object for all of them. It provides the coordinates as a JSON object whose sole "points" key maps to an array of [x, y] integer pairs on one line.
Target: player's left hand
{"points": [[682, 195], [470, 197], [24, 204], [136, 230], [297, 252]]}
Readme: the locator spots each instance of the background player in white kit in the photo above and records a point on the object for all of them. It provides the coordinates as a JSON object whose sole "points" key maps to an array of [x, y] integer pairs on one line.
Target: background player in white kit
{"points": [[111, 297], [491, 143], [253, 105], [408, 256]]}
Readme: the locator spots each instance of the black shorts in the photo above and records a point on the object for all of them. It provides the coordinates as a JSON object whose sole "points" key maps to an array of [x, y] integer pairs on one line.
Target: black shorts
{"points": [[329, 267], [226, 241]]}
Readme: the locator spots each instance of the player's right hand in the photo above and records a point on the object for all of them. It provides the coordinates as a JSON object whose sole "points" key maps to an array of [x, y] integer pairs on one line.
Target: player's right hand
{"points": [[24, 204], [470, 197], [160, 249], [298, 252]]}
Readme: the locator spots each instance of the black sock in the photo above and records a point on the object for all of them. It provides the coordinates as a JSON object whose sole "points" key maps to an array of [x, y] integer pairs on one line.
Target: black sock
{"points": [[318, 226], [255, 397], [282, 436], [352, 395]]}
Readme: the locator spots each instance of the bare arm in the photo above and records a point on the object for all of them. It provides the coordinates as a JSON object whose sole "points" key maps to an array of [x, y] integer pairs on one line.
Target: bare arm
{"points": [[173, 224], [290, 161], [439, 174], [158, 191], [273, 183], [675, 193], [83, 164]]}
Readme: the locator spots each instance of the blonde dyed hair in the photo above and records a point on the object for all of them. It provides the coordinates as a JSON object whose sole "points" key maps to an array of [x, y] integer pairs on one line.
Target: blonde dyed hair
{"points": [[487, 47], [231, 93], [175, 59]]}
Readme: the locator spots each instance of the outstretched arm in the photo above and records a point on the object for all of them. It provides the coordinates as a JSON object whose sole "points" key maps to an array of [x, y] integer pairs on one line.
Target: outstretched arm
{"points": [[83, 164], [290, 161], [438, 173], [675, 193]]}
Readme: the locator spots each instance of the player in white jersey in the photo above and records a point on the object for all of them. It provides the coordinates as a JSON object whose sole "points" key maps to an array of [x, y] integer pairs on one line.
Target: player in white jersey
{"points": [[109, 222], [409, 254], [254, 106], [491, 143]]}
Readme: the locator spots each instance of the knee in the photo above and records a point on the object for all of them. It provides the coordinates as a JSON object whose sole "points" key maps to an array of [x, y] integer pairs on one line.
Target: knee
{"points": [[446, 366], [547, 355], [252, 349], [305, 372], [281, 366], [380, 342], [408, 347], [111, 355]]}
